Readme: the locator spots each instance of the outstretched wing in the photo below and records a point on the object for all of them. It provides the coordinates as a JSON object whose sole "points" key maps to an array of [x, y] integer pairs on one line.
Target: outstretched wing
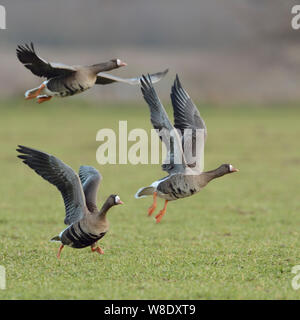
{"points": [[187, 116], [90, 180], [174, 162], [40, 67], [62, 176], [106, 78]]}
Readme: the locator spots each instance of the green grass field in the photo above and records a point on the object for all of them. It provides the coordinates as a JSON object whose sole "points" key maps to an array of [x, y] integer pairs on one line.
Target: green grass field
{"points": [[237, 239]]}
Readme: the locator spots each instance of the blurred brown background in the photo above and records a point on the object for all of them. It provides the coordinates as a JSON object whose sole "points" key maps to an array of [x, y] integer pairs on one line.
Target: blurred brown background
{"points": [[224, 51]]}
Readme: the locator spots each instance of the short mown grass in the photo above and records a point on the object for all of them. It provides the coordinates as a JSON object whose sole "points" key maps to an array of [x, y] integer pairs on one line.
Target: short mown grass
{"points": [[237, 239]]}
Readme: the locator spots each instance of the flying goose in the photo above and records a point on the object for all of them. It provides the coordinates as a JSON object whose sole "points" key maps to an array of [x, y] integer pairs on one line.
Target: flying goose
{"points": [[63, 80], [86, 224], [185, 177]]}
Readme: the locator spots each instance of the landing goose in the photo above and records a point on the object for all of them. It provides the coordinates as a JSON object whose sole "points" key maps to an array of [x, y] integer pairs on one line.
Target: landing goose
{"points": [[63, 80], [185, 177], [86, 224]]}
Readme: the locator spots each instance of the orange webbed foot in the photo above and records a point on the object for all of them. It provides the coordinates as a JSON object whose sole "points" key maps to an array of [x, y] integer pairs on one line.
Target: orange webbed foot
{"points": [[160, 216], [31, 94], [43, 99], [97, 249], [161, 212]]}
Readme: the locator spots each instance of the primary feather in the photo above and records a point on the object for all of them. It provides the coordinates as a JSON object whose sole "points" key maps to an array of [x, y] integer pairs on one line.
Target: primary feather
{"points": [[62, 176]]}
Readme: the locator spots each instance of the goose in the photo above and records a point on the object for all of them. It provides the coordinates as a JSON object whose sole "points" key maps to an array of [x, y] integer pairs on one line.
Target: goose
{"points": [[63, 80], [185, 178], [86, 224]]}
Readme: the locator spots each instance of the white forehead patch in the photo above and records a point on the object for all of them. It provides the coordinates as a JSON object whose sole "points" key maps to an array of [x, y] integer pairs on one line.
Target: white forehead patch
{"points": [[118, 62], [230, 167], [117, 199]]}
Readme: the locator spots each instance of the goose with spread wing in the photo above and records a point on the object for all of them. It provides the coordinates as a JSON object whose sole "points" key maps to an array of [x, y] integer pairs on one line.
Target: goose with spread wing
{"points": [[185, 170], [86, 224], [63, 80]]}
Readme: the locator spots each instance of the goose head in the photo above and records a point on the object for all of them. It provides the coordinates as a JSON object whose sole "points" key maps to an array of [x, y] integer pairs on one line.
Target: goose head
{"points": [[119, 63], [111, 201], [227, 168], [114, 200]]}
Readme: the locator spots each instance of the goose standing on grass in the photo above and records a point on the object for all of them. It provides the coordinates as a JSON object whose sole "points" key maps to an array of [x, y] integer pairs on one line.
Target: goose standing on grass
{"points": [[63, 80], [185, 178], [86, 224]]}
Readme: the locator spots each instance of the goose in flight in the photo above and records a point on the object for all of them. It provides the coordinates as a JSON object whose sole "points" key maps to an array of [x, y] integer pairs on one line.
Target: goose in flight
{"points": [[86, 224], [63, 80], [185, 175]]}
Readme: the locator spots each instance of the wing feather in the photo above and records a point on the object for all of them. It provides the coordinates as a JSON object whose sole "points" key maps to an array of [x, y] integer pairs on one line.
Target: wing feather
{"points": [[175, 161], [90, 179], [40, 67], [187, 116], [106, 78], [62, 176]]}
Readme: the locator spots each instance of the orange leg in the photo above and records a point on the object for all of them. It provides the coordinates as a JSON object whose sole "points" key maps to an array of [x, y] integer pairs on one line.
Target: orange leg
{"points": [[154, 204], [97, 249], [161, 212], [43, 99], [35, 93], [59, 251]]}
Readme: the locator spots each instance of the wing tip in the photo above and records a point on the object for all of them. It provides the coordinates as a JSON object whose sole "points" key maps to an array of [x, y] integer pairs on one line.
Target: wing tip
{"points": [[20, 148], [163, 73], [26, 47], [177, 82]]}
